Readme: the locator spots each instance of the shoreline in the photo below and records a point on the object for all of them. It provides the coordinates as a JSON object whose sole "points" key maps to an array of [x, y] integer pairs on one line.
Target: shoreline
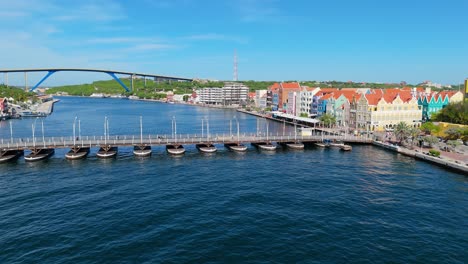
{"points": [[451, 164]]}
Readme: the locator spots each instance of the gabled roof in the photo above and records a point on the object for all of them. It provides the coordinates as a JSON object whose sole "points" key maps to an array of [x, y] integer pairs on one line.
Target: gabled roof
{"points": [[373, 99], [327, 96], [349, 94], [405, 96], [447, 93], [328, 90], [292, 85], [274, 87]]}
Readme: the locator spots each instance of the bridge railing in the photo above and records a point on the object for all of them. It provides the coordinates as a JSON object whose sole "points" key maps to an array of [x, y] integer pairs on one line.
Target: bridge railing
{"points": [[164, 139]]}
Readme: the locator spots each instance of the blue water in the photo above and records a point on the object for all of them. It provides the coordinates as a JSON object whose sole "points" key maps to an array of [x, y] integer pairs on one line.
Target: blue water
{"points": [[310, 206]]}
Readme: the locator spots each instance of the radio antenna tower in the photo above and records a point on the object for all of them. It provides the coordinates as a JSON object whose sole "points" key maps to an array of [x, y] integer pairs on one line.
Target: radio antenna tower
{"points": [[235, 66]]}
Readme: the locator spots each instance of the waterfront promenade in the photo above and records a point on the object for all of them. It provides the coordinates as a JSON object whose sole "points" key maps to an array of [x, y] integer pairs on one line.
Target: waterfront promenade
{"points": [[455, 162]]}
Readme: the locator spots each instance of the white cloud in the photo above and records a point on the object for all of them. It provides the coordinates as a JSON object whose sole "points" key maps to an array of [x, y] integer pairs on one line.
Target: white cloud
{"points": [[112, 40], [257, 10], [150, 46], [215, 36]]}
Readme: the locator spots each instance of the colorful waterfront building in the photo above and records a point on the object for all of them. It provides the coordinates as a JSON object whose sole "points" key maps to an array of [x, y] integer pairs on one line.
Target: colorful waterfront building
{"points": [[283, 93], [383, 110], [339, 106]]}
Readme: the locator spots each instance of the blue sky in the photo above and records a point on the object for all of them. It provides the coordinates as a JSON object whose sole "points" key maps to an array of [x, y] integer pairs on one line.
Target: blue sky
{"points": [[375, 41]]}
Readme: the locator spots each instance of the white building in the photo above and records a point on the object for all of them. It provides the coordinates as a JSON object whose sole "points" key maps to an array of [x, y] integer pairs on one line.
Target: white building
{"points": [[261, 98], [300, 102], [230, 94]]}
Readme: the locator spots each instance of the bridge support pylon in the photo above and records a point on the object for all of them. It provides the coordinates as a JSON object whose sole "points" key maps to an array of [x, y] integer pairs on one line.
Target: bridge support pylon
{"points": [[119, 81], [49, 73]]}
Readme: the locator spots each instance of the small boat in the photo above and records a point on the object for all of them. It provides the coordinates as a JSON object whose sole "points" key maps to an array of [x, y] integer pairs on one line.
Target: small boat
{"points": [[10, 155], [237, 147], [142, 151], [294, 145], [175, 149], [336, 144], [346, 148], [321, 144], [107, 152], [32, 114], [77, 153], [39, 154], [97, 95], [206, 148], [265, 146]]}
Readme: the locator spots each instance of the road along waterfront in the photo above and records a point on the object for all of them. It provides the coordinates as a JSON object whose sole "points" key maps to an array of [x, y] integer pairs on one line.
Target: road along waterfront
{"points": [[309, 205]]}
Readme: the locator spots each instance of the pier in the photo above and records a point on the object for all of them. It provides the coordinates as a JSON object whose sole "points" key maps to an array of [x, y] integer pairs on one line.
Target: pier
{"points": [[35, 145]]}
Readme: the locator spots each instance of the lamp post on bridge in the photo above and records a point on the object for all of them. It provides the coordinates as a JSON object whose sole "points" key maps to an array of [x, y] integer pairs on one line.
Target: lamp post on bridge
{"points": [[106, 130], [205, 122], [237, 121], [74, 134], [11, 131], [33, 128], [42, 125], [174, 127]]}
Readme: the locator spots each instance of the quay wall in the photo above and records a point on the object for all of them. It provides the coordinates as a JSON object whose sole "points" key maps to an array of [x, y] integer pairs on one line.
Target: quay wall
{"points": [[444, 162]]}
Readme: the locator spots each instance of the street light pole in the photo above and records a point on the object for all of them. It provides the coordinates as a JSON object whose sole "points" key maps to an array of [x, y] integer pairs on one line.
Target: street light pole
{"points": [[79, 129], [11, 131], [207, 128], [202, 126], [33, 127], [237, 121], [174, 127], [42, 125], [74, 134], [105, 130]]}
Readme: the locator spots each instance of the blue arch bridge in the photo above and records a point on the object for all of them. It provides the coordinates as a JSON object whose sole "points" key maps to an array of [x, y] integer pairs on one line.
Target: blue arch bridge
{"points": [[112, 73]]}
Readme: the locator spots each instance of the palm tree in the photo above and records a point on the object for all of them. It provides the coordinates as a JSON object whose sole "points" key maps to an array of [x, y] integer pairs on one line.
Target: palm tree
{"points": [[402, 131], [414, 132]]}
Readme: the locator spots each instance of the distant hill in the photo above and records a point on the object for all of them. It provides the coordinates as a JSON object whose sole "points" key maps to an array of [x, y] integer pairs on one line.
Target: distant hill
{"points": [[151, 90]]}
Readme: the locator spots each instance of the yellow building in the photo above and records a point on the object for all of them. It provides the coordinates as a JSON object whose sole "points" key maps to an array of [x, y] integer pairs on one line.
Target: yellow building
{"points": [[383, 110]]}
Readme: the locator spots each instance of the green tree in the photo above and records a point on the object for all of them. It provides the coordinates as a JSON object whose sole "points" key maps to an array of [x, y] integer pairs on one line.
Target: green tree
{"points": [[453, 143], [431, 140], [430, 128], [413, 133], [453, 133], [328, 119], [464, 134], [453, 113], [402, 132]]}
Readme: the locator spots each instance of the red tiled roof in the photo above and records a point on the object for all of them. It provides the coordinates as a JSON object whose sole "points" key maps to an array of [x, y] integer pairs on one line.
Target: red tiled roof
{"points": [[445, 93], [373, 99], [328, 90], [405, 97], [389, 97], [349, 94], [274, 87], [292, 85], [327, 96]]}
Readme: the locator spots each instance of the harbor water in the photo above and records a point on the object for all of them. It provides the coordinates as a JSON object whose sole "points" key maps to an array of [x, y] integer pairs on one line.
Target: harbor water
{"points": [[308, 206]]}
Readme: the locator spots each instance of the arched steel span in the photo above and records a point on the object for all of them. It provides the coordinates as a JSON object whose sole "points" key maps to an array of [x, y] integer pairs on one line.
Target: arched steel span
{"points": [[112, 73]]}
